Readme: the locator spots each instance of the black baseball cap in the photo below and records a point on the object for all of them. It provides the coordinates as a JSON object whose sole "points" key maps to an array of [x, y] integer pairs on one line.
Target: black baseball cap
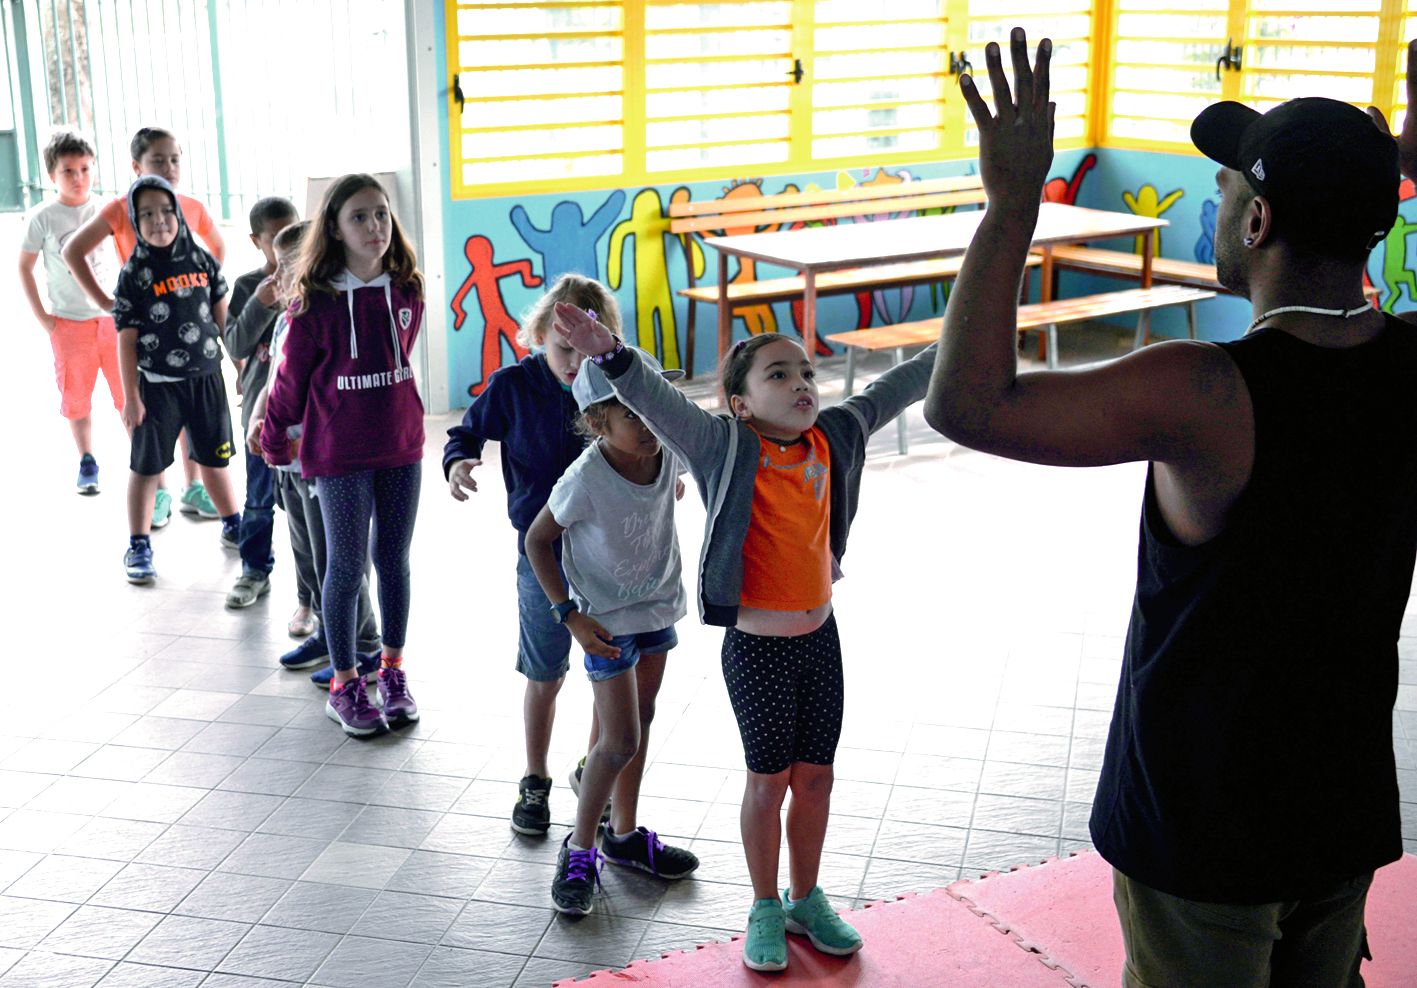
{"points": [[1329, 172]]}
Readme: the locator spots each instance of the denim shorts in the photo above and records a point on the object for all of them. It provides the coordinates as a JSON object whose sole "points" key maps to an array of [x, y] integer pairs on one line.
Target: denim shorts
{"points": [[543, 646], [631, 647]]}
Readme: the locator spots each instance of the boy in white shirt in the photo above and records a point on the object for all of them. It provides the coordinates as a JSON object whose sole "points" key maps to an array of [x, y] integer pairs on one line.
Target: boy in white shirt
{"points": [[82, 335]]}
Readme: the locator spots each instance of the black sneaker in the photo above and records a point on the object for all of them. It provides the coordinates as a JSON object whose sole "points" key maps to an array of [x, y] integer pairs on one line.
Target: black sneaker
{"points": [[575, 783], [644, 850], [532, 815], [577, 876]]}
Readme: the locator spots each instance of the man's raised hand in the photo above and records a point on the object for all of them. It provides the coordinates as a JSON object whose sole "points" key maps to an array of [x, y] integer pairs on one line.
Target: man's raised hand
{"points": [[1016, 140]]}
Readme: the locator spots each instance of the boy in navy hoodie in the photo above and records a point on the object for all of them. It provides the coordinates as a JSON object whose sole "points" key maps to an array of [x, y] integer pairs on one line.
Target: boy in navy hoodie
{"points": [[169, 307], [528, 408]]}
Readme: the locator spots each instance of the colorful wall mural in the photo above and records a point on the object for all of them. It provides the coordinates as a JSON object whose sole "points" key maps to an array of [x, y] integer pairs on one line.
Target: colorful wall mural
{"points": [[1133, 180], [502, 253]]}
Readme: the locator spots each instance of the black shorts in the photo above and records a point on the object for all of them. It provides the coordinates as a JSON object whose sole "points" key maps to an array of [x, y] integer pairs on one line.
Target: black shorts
{"points": [[197, 405], [786, 695]]}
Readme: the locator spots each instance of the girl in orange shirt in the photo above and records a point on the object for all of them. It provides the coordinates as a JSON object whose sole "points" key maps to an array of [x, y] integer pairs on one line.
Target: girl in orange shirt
{"points": [[780, 477]]}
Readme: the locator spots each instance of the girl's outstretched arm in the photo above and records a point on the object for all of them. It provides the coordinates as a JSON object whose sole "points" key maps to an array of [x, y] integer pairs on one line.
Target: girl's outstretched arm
{"points": [[540, 537], [894, 391], [698, 438]]}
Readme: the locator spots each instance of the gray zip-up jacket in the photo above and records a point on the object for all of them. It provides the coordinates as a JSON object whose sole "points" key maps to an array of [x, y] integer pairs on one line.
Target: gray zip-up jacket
{"points": [[722, 455], [249, 328]]}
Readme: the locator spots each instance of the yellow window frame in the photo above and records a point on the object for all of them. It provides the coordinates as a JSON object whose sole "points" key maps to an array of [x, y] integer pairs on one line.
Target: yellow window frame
{"points": [[1386, 87], [799, 159]]}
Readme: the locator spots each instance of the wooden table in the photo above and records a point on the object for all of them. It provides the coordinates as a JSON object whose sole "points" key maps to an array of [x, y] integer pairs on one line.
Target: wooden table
{"points": [[829, 248]]}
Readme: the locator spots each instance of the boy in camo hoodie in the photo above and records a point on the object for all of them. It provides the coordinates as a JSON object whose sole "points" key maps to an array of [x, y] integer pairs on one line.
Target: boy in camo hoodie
{"points": [[169, 308]]}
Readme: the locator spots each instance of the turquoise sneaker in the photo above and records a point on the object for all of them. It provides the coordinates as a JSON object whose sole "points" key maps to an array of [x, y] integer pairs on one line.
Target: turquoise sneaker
{"points": [[815, 917], [196, 502], [765, 946], [162, 508]]}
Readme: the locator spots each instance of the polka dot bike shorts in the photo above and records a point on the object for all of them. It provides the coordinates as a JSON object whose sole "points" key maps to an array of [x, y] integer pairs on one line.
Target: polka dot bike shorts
{"points": [[787, 696]]}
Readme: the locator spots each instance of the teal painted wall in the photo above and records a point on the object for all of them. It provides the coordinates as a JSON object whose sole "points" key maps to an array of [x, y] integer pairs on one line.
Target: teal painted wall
{"points": [[1185, 184]]}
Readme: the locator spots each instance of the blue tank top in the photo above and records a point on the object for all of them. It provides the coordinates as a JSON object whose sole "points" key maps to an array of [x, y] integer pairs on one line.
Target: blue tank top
{"points": [[1250, 754]]}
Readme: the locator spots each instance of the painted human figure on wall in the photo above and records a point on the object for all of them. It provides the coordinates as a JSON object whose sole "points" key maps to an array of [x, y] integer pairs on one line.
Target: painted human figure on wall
{"points": [[758, 318], [1205, 243], [1396, 274], [484, 281], [568, 244], [645, 232], [1148, 202], [1065, 190]]}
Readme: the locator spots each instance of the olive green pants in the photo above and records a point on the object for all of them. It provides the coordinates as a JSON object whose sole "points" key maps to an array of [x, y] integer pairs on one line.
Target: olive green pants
{"points": [[1317, 942]]}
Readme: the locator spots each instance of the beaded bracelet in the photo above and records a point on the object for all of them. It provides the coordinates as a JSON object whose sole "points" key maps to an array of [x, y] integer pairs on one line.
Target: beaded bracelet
{"points": [[609, 355]]}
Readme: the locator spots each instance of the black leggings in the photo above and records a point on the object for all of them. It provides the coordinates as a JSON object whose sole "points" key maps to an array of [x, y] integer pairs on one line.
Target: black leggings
{"points": [[388, 499], [786, 695]]}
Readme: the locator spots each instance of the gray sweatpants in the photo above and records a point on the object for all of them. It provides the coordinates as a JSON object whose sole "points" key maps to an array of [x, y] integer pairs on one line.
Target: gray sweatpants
{"points": [[307, 542]]}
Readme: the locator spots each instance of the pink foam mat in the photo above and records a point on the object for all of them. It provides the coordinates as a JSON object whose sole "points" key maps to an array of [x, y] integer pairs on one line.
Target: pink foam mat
{"points": [[916, 940], [1063, 910], [1047, 926]]}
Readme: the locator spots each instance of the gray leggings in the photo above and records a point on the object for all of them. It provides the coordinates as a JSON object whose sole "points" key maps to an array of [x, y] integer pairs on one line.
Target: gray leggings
{"points": [[307, 544]]}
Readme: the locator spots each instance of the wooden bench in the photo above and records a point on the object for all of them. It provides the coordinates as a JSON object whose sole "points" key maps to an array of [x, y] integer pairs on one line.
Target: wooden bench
{"points": [[788, 210], [1165, 270], [1047, 316]]}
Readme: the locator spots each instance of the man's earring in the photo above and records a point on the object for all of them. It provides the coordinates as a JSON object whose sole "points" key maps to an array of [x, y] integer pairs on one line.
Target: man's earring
{"points": [[1249, 241]]}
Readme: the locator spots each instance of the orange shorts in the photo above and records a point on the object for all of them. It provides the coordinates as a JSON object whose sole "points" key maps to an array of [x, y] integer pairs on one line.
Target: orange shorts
{"points": [[81, 350]]}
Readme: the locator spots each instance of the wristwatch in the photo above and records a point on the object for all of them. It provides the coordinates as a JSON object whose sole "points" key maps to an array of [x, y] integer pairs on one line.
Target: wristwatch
{"points": [[609, 355], [563, 610]]}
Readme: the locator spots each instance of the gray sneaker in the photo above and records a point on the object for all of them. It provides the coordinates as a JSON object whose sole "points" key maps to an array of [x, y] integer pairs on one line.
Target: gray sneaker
{"points": [[248, 588]]}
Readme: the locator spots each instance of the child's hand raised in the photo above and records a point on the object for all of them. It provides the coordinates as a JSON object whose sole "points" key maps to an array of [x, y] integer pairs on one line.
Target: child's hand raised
{"points": [[581, 330], [460, 476], [593, 638]]}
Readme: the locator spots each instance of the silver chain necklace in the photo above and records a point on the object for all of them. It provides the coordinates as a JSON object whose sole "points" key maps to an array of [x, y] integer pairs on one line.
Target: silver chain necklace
{"points": [[1345, 313]]}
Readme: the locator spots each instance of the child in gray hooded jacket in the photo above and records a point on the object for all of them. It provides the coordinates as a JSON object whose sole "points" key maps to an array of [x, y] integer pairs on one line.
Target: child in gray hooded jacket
{"points": [[780, 479]]}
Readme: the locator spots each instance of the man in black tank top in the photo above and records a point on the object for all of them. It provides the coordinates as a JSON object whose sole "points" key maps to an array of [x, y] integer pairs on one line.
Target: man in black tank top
{"points": [[1248, 789]]}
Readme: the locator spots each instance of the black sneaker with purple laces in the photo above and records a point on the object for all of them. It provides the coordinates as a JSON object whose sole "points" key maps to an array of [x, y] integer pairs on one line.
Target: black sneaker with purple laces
{"points": [[643, 850], [577, 877]]}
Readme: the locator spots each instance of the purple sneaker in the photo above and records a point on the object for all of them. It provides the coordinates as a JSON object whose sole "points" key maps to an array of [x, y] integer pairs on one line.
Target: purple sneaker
{"points": [[399, 707], [349, 706]]}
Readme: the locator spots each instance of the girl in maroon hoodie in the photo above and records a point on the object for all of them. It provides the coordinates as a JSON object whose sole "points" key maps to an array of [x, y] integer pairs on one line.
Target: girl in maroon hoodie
{"points": [[347, 380]]}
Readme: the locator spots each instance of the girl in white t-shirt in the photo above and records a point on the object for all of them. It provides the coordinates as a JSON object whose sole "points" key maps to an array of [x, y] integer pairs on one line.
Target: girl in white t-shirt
{"points": [[613, 509]]}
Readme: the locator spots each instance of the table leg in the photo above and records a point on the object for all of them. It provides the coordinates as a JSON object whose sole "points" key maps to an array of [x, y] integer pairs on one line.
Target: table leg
{"points": [[809, 313], [902, 441], [850, 371], [725, 311], [1191, 320], [1143, 330], [1148, 244], [692, 314], [1045, 294], [1052, 335]]}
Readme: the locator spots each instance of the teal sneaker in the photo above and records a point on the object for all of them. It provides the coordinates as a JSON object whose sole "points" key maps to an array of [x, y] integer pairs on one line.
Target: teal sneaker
{"points": [[765, 945], [815, 917], [162, 508], [196, 502]]}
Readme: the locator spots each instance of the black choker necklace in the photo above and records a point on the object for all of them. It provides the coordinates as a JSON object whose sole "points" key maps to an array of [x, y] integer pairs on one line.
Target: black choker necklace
{"points": [[782, 444]]}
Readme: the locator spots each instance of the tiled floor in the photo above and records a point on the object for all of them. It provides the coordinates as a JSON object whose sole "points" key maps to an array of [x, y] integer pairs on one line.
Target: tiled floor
{"points": [[176, 811]]}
